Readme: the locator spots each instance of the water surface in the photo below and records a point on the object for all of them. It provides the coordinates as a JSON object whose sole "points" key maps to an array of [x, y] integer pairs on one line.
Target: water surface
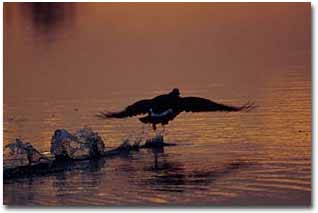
{"points": [[65, 62]]}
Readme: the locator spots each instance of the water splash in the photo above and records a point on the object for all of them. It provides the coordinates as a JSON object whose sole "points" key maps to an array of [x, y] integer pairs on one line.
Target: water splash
{"points": [[19, 153], [85, 142]]}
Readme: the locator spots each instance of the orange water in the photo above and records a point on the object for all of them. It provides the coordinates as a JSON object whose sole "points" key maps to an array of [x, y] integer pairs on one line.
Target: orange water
{"points": [[62, 68]]}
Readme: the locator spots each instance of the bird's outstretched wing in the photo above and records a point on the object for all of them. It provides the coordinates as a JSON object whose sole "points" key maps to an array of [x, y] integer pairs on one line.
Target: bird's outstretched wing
{"points": [[196, 104], [140, 107]]}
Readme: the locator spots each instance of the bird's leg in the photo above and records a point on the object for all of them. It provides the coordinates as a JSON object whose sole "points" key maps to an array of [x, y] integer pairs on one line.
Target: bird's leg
{"points": [[159, 136]]}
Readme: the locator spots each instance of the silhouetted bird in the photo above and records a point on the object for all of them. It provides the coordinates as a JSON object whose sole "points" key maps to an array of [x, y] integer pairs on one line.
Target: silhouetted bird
{"points": [[165, 108]]}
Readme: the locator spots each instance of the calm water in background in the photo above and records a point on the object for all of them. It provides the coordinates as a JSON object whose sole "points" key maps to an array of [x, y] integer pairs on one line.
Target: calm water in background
{"points": [[65, 62]]}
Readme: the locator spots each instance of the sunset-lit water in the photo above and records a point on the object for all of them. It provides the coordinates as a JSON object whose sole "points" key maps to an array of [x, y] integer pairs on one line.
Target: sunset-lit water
{"points": [[78, 59]]}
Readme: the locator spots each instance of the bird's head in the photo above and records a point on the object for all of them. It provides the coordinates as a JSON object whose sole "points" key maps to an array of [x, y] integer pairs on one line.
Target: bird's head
{"points": [[175, 92]]}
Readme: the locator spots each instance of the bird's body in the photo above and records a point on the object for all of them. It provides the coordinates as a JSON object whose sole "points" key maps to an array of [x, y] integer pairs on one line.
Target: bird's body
{"points": [[164, 108], [162, 118]]}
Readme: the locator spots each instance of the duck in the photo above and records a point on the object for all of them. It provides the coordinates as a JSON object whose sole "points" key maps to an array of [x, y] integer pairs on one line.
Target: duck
{"points": [[164, 108]]}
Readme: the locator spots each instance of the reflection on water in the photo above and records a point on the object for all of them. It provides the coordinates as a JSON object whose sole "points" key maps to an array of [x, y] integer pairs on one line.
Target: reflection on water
{"points": [[95, 57], [173, 177], [49, 18]]}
